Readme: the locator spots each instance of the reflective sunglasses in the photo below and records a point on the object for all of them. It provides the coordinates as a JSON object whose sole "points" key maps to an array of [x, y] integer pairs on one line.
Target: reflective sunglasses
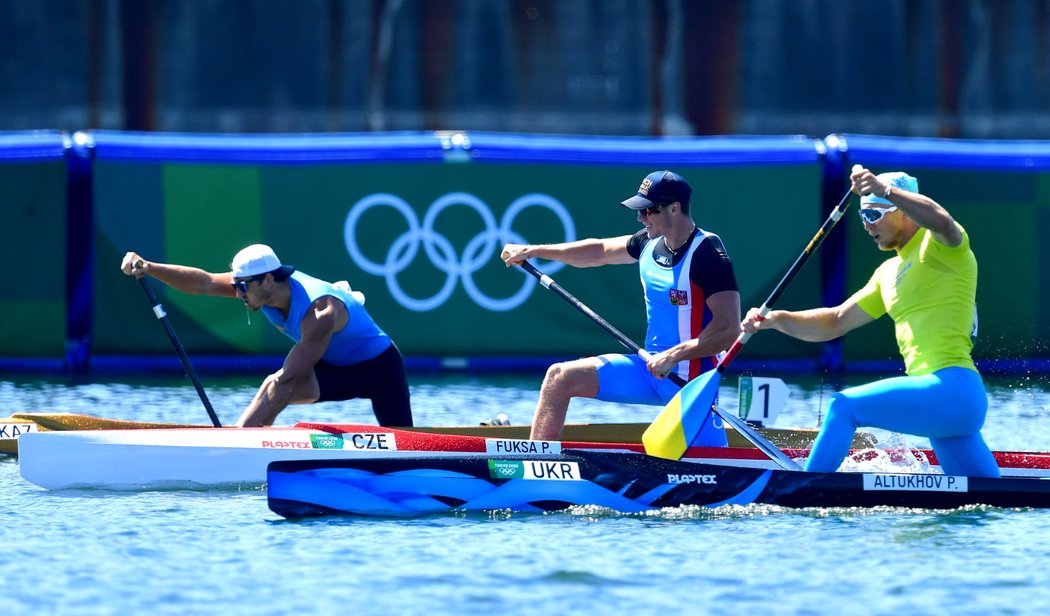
{"points": [[651, 210], [872, 215], [242, 285]]}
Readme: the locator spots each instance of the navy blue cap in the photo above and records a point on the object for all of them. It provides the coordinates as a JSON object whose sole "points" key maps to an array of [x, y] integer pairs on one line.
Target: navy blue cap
{"points": [[660, 188]]}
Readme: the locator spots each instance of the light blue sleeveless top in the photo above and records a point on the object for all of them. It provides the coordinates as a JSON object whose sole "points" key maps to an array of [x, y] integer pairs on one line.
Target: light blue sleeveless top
{"points": [[359, 340]]}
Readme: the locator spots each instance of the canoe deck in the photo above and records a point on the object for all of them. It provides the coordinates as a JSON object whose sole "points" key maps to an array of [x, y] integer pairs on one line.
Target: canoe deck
{"points": [[788, 438]]}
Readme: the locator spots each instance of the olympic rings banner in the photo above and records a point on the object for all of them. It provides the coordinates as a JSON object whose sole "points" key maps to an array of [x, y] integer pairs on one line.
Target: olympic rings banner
{"points": [[458, 265], [421, 235]]}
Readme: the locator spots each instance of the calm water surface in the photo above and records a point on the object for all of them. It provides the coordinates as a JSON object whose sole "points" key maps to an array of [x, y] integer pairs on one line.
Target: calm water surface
{"points": [[95, 552]]}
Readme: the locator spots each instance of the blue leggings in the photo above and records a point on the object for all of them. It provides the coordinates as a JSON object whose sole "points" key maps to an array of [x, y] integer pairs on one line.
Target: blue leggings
{"points": [[948, 407]]}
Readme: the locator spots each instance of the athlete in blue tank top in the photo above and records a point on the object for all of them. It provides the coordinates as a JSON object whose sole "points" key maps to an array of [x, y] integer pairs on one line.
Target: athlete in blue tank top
{"points": [[339, 352], [691, 299]]}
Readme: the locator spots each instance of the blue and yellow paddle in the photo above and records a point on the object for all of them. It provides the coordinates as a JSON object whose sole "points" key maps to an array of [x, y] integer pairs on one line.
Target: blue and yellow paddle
{"points": [[684, 400], [678, 424]]}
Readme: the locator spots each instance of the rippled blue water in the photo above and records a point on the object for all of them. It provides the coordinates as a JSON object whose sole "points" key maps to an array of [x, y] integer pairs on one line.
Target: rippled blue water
{"points": [[84, 552]]}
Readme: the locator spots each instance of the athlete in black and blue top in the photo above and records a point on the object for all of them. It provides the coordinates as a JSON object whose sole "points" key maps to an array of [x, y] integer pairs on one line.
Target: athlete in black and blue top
{"points": [[339, 353], [691, 299]]}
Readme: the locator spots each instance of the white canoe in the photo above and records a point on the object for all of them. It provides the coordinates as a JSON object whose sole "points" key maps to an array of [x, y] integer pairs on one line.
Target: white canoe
{"points": [[201, 458], [13, 427], [206, 458]]}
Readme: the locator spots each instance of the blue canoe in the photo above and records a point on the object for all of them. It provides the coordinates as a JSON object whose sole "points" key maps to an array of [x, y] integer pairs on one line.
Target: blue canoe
{"points": [[628, 482]]}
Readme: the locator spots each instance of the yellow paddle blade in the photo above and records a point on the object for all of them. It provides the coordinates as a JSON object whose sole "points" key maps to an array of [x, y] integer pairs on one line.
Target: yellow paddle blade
{"points": [[665, 437], [675, 428]]}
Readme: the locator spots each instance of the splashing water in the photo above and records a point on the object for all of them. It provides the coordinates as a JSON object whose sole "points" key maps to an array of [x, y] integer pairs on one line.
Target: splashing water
{"points": [[893, 456]]}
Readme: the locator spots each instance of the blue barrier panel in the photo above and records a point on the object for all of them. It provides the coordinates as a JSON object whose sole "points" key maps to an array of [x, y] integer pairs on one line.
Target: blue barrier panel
{"points": [[283, 149], [197, 198], [951, 154], [32, 146], [669, 151]]}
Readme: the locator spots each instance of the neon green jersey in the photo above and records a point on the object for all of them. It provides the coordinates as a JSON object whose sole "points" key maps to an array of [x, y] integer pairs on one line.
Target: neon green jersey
{"points": [[929, 290]]}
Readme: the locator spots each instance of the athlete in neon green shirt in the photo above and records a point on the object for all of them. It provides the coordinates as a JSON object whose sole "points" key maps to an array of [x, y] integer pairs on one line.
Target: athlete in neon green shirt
{"points": [[929, 291]]}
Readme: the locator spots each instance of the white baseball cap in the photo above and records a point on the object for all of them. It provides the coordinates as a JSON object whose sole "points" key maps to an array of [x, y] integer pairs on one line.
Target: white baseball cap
{"points": [[258, 259]]}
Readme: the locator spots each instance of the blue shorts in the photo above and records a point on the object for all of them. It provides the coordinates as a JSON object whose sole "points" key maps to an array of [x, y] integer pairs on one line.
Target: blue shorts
{"points": [[948, 407], [626, 379]]}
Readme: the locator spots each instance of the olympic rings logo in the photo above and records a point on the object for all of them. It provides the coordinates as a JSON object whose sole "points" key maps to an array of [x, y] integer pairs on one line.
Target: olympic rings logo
{"points": [[439, 249]]}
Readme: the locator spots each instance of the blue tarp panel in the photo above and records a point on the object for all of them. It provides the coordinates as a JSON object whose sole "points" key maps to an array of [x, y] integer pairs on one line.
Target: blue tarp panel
{"points": [[946, 153], [670, 152], [271, 148], [24, 146]]}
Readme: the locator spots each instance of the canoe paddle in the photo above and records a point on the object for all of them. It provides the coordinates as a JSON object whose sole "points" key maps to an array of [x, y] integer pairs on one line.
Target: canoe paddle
{"points": [[158, 310], [670, 434], [676, 407]]}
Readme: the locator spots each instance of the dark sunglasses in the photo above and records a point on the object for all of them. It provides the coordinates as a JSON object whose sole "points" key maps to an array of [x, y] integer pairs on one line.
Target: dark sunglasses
{"points": [[651, 210], [242, 285], [872, 215]]}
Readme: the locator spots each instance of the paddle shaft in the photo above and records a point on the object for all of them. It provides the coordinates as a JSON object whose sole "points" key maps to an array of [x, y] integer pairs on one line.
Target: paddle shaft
{"points": [[788, 278], [631, 345], [162, 316]]}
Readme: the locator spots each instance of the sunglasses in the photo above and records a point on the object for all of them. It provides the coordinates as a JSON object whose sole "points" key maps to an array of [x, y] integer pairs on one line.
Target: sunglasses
{"points": [[242, 285], [872, 215], [651, 210]]}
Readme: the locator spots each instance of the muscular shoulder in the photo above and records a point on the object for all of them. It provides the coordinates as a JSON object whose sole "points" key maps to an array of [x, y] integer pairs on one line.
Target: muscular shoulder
{"points": [[962, 246], [326, 314]]}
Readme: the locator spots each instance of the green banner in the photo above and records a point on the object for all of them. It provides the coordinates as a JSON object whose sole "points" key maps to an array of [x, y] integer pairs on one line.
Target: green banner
{"points": [[33, 236], [422, 241]]}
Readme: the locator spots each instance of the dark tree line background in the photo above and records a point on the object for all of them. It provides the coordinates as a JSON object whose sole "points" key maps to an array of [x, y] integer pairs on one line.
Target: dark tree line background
{"points": [[939, 68]]}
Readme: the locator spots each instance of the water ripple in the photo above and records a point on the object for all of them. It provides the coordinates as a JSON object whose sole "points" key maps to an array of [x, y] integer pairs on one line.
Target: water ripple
{"points": [[177, 552]]}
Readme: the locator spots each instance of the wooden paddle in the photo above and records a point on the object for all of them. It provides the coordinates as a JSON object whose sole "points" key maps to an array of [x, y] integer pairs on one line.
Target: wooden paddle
{"points": [[672, 407], [158, 310], [670, 434]]}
